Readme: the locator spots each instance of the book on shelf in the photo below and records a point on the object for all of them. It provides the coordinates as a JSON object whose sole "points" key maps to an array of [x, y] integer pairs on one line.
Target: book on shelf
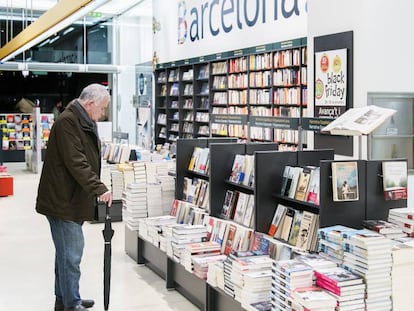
{"points": [[312, 194], [303, 183], [394, 177], [237, 174], [295, 227], [307, 230], [345, 181], [294, 176], [277, 219], [287, 224], [285, 181], [230, 201], [359, 121]]}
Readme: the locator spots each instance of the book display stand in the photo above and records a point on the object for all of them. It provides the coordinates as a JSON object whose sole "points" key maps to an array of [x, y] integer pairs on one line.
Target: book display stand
{"points": [[269, 167]]}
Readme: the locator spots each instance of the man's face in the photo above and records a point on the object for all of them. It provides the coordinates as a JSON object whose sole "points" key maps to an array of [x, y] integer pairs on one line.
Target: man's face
{"points": [[97, 109]]}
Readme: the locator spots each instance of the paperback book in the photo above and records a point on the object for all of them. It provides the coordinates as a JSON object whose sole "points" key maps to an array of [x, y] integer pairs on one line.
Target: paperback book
{"points": [[345, 181], [395, 176]]}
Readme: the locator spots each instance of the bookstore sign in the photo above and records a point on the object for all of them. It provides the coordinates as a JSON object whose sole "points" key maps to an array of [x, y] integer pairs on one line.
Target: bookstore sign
{"points": [[330, 83], [191, 28]]}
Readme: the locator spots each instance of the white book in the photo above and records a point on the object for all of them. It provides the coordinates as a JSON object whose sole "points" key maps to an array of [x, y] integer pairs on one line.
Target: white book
{"points": [[359, 121]]}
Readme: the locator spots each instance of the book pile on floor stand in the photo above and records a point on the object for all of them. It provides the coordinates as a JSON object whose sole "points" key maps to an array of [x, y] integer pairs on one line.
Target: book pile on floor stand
{"points": [[402, 274], [134, 204], [368, 254], [347, 287], [288, 275]]}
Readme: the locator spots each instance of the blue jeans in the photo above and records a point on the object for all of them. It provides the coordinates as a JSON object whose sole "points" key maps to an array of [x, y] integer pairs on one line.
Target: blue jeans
{"points": [[69, 242]]}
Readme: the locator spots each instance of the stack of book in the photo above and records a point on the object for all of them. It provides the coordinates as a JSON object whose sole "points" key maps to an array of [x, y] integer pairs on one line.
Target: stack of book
{"points": [[313, 298], [200, 250], [402, 274], [288, 275], [316, 261], [140, 175], [167, 192], [201, 265], [117, 181], [134, 204], [215, 273], [186, 234], [152, 224], [330, 242], [404, 218], [106, 174], [127, 172], [154, 199], [347, 287], [368, 254], [257, 282]]}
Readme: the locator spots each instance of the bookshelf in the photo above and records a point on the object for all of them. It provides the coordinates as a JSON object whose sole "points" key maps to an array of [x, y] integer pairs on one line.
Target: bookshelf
{"points": [[17, 134], [254, 94]]}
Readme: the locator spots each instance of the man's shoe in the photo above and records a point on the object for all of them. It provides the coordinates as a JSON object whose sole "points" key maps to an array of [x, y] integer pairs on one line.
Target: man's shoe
{"points": [[86, 303]]}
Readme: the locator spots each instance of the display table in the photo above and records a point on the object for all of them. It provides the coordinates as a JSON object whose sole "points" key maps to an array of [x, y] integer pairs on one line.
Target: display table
{"points": [[6, 184]]}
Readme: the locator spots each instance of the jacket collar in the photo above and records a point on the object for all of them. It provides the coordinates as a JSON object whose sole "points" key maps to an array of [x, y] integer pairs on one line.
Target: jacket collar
{"points": [[86, 122]]}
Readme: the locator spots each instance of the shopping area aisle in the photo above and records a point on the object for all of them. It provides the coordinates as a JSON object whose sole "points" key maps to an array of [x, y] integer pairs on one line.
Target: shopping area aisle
{"points": [[27, 256]]}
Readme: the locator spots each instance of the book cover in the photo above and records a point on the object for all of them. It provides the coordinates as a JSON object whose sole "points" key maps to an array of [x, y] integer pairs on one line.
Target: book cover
{"points": [[303, 183], [287, 223], [277, 218], [295, 173], [249, 213], [285, 179], [295, 228], [306, 228], [338, 276], [237, 174], [227, 205], [359, 121], [345, 181], [312, 195], [394, 177], [381, 226]]}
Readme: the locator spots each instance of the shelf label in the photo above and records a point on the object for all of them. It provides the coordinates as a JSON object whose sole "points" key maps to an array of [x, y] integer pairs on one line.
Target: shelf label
{"points": [[229, 119], [238, 53], [315, 124], [275, 122]]}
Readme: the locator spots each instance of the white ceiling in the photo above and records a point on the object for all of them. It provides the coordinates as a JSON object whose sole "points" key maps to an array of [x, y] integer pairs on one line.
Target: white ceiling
{"points": [[113, 7]]}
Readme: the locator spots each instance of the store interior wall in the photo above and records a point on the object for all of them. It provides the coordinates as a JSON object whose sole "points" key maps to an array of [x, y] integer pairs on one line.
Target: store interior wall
{"points": [[382, 47], [135, 47]]}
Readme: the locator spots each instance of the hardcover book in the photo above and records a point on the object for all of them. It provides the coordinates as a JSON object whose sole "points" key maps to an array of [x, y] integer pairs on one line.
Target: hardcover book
{"points": [[345, 181], [395, 175], [359, 121]]}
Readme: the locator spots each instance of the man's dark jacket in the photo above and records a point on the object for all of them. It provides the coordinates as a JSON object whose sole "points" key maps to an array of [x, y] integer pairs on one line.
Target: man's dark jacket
{"points": [[70, 182]]}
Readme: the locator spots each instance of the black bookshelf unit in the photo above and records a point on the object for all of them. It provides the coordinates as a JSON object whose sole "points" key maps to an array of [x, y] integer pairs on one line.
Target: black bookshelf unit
{"points": [[269, 166]]}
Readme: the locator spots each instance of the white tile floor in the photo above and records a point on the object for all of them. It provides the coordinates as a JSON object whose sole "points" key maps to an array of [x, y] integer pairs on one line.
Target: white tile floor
{"points": [[27, 256]]}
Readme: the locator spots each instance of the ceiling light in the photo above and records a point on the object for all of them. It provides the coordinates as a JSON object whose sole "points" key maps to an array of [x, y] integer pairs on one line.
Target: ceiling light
{"points": [[59, 17]]}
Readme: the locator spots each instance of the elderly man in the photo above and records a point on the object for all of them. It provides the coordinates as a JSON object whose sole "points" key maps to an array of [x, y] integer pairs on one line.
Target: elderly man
{"points": [[69, 187]]}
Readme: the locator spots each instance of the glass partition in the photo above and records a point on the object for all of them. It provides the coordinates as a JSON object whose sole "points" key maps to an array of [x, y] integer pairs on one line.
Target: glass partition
{"points": [[395, 137]]}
